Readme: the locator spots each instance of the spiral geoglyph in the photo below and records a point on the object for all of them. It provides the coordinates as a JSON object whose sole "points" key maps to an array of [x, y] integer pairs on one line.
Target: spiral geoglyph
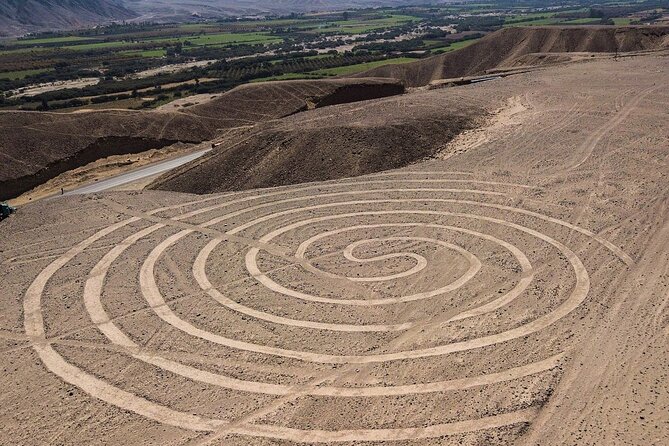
{"points": [[402, 271]]}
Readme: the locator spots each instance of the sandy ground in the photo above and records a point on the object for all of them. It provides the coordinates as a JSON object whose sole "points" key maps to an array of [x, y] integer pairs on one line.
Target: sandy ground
{"points": [[102, 169], [195, 99], [504, 119], [33, 90], [513, 293], [172, 68]]}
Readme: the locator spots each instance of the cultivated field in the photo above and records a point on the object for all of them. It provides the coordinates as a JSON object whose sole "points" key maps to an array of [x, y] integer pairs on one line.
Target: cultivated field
{"points": [[511, 290]]}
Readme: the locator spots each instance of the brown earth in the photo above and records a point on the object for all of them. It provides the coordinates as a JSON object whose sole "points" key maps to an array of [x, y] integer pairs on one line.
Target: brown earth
{"points": [[102, 169], [323, 144], [514, 293], [354, 140], [37, 146], [521, 46]]}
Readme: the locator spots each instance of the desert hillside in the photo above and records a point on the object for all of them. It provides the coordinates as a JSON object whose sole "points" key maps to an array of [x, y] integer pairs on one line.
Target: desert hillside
{"points": [[37, 146], [351, 140], [510, 47], [510, 290], [330, 143], [353, 262]]}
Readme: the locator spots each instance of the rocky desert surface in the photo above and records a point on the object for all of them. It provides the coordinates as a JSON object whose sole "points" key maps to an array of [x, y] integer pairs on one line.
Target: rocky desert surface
{"points": [[508, 286]]}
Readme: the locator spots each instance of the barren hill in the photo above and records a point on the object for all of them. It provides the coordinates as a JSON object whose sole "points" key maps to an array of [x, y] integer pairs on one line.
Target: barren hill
{"points": [[507, 47], [37, 146], [256, 102], [22, 16], [329, 143], [183, 9], [357, 139]]}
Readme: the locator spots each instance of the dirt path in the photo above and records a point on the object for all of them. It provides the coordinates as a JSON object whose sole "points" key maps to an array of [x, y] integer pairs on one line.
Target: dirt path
{"points": [[504, 120], [100, 170]]}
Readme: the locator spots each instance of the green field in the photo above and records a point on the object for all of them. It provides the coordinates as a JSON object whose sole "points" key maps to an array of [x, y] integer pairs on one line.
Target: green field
{"points": [[225, 39], [546, 18], [539, 22], [145, 53], [279, 22], [357, 68], [581, 21], [219, 39], [362, 26], [288, 76], [453, 46], [622, 21], [529, 17], [64, 39], [12, 75]]}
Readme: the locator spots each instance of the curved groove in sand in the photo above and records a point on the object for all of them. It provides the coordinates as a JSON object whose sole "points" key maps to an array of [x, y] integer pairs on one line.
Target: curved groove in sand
{"points": [[610, 246], [93, 303], [578, 294], [473, 260], [97, 388], [92, 300], [421, 262]]}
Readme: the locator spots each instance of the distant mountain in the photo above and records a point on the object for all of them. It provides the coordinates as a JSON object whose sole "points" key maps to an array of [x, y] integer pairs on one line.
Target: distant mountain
{"points": [[19, 17], [178, 9], [22, 16]]}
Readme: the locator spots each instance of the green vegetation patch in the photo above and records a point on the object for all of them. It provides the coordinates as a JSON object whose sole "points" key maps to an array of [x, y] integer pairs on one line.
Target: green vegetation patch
{"points": [[358, 68], [219, 39], [47, 40], [145, 53], [535, 22], [227, 38], [13, 75], [355, 26], [289, 76], [582, 21], [453, 46]]}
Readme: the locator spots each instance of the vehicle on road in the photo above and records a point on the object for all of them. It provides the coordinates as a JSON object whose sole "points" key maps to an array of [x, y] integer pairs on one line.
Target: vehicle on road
{"points": [[6, 210]]}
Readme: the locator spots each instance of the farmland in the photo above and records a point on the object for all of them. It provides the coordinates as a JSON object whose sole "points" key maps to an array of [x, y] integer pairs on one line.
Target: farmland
{"points": [[357, 68], [245, 50]]}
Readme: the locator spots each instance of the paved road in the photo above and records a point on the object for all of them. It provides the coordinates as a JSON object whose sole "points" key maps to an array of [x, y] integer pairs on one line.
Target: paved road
{"points": [[138, 174]]}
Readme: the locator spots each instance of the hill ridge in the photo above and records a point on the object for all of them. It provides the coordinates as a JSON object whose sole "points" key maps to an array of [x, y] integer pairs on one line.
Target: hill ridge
{"points": [[505, 47]]}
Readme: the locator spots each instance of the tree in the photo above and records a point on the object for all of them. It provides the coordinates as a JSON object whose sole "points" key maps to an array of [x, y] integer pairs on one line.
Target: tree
{"points": [[346, 15], [596, 13]]}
